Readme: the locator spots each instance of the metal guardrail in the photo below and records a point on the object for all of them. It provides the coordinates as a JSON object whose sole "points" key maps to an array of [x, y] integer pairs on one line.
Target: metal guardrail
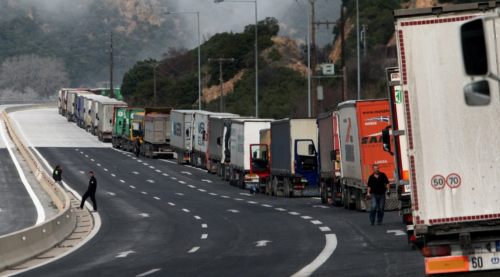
{"points": [[23, 245], [27, 102]]}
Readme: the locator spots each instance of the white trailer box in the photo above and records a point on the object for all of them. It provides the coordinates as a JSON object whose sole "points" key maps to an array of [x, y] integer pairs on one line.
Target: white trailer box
{"points": [[105, 117], [452, 148], [245, 132], [88, 108], [182, 133], [201, 135]]}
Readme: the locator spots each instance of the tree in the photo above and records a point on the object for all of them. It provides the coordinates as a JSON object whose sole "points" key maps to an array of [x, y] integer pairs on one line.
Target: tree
{"points": [[43, 74]]}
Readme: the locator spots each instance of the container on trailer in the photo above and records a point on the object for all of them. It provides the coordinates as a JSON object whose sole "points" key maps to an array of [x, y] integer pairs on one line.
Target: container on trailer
{"points": [[105, 118], [182, 134]]}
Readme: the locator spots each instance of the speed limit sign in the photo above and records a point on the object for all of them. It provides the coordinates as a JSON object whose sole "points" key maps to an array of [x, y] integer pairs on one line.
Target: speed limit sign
{"points": [[453, 180], [438, 182]]}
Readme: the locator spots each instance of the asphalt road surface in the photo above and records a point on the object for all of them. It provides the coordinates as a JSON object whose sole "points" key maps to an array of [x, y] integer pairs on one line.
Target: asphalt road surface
{"points": [[163, 219]]}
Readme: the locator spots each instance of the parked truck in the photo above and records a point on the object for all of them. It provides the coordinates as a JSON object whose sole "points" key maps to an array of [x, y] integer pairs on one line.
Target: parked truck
{"points": [[118, 126], [294, 159], [104, 118], [157, 132], [360, 131], [219, 145], [129, 135], [71, 107], [200, 149], [87, 118], [329, 158], [451, 147], [261, 161], [244, 134], [182, 136]]}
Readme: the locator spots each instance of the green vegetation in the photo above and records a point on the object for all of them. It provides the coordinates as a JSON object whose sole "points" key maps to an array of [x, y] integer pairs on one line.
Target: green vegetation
{"points": [[274, 55]]}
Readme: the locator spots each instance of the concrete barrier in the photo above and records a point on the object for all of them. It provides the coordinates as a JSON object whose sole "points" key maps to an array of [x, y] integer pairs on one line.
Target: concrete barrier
{"points": [[23, 245]]}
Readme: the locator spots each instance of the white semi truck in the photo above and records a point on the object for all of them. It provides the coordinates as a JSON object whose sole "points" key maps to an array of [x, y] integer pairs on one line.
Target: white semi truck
{"points": [[452, 149]]}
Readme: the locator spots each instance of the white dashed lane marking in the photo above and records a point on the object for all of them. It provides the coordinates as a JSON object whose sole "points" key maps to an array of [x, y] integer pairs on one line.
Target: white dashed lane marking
{"points": [[132, 187], [306, 217], [194, 249], [157, 198], [316, 222], [325, 229], [186, 210], [197, 217], [122, 181], [143, 192], [204, 226], [171, 204], [294, 213], [204, 236]]}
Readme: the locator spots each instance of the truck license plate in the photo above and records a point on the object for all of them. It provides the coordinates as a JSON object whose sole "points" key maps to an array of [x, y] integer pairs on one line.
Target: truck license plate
{"points": [[484, 261]]}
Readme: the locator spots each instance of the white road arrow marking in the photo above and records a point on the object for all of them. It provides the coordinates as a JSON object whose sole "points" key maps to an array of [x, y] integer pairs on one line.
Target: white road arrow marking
{"points": [[233, 211], [208, 181], [110, 193], [318, 206], [262, 243], [135, 172], [150, 181], [124, 254], [144, 215], [396, 232], [185, 172]]}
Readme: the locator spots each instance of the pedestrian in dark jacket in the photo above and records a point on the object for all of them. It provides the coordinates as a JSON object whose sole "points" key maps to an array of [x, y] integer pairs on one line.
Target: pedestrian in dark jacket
{"points": [[137, 147], [378, 184], [57, 176], [90, 191]]}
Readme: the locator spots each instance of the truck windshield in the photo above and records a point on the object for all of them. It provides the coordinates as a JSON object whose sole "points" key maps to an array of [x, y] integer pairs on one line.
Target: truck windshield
{"points": [[136, 129], [259, 157], [305, 159]]}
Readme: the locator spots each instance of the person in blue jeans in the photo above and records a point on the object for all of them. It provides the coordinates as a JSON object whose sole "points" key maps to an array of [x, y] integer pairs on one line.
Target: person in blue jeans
{"points": [[377, 185]]}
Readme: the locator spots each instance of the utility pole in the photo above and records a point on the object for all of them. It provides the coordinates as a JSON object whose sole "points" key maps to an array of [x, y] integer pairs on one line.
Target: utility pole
{"points": [[220, 61], [357, 47], [155, 65], [341, 23], [314, 89], [363, 38], [112, 92]]}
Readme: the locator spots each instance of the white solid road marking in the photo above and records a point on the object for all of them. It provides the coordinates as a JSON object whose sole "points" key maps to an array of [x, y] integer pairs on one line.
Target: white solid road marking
{"points": [[122, 181], [266, 205], [197, 217], [157, 198], [132, 187], [186, 210], [224, 196], [148, 272], [251, 202], [124, 254], [294, 213], [396, 232], [204, 236], [331, 244], [194, 249], [204, 226], [213, 193], [281, 209], [171, 204], [182, 182], [38, 205], [325, 229], [202, 190], [306, 217], [143, 192], [316, 222]]}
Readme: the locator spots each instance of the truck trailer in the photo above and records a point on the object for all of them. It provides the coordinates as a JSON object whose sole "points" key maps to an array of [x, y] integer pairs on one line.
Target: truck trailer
{"points": [[71, 107], [294, 160], [329, 158], [245, 133], [157, 132], [360, 131], [105, 118], [181, 139], [451, 147], [88, 110], [200, 149], [219, 150]]}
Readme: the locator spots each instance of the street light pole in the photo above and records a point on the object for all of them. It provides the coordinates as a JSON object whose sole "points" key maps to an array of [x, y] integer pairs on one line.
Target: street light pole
{"points": [[199, 55], [357, 39], [256, 56]]}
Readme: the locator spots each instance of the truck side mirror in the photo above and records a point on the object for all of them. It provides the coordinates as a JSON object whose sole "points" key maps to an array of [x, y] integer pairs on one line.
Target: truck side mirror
{"points": [[386, 140], [218, 142], [311, 150], [473, 42], [477, 93]]}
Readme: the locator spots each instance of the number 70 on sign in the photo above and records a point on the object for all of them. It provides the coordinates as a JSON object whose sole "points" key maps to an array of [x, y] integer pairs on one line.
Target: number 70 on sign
{"points": [[453, 181]]}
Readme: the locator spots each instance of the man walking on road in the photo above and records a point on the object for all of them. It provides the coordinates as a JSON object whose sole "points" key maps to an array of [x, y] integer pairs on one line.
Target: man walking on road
{"points": [[90, 192], [377, 184], [57, 176]]}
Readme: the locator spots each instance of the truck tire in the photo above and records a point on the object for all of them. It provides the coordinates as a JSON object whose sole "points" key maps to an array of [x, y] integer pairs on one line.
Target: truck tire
{"points": [[287, 191]]}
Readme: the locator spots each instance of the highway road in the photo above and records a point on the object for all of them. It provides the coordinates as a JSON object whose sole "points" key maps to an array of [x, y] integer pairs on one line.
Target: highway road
{"points": [[163, 219]]}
